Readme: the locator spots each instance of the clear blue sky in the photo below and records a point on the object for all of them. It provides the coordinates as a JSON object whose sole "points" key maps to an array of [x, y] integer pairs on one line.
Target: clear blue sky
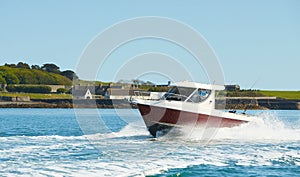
{"points": [[254, 40]]}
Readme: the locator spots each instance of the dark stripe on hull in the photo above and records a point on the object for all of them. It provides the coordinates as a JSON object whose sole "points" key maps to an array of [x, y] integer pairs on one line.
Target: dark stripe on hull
{"points": [[162, 119]]}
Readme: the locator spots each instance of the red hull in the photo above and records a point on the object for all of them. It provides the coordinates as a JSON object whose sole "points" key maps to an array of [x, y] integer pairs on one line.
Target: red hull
{"points": [[158, 118]]}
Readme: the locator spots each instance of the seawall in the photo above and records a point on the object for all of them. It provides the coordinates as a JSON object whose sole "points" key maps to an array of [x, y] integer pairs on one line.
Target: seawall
{"points": [[67, 103], [272, 104], [275, 104]]}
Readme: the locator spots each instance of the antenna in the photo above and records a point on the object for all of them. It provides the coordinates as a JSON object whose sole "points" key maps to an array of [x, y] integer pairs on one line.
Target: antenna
{"points": [[246, 107]]}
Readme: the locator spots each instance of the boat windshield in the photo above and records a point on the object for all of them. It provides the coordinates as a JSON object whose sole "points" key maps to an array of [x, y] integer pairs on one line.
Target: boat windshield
{"points": [[178, 93], [199, 96]]}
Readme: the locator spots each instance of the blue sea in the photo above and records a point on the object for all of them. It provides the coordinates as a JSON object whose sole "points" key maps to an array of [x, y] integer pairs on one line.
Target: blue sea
{"points": [[115, 142]]}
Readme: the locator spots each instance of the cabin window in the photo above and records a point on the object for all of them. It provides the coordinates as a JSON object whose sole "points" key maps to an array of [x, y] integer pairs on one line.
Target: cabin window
{"points": [[200, 95], [178, 93]]}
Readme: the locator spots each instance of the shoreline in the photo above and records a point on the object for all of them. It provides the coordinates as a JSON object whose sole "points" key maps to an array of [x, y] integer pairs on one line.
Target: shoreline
{"points": [[237, 104]]}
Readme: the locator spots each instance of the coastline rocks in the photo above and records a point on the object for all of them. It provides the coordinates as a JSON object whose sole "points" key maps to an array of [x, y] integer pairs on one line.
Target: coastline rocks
{"points": [[120, 103]]}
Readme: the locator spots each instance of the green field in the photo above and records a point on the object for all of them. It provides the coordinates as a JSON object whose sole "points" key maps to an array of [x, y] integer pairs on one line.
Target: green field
{"points": [[290, 95], [38, 96]]}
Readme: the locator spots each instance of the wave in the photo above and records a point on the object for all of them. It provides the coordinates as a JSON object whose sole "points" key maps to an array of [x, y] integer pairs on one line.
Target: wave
{"points": [[130, 130], [267, 126], [124, 154]]}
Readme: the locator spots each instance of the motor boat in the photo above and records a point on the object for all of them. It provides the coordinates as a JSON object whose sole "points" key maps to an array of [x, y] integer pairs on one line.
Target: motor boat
{"points": [[187, 104]]}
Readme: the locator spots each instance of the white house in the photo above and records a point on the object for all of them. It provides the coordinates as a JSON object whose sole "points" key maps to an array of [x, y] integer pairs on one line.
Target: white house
{"points": [[82, 94]]}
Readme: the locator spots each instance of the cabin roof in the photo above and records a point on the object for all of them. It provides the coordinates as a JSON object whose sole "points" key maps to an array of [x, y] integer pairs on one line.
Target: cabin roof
{"points": [[198, 85], [80, 92]]}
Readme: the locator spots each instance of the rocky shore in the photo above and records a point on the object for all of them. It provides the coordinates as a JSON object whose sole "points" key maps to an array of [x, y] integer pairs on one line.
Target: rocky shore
{"points": [[261, 104], [66, 103]]}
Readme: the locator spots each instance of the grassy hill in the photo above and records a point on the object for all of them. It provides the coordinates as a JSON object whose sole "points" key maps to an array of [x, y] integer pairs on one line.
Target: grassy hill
{"points": [[37, 95], [10, 75], [290, 95]]}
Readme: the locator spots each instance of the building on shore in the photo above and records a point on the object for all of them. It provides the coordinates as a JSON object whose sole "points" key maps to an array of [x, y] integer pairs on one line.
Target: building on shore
{"points": [[232, 87], [82, 93]]}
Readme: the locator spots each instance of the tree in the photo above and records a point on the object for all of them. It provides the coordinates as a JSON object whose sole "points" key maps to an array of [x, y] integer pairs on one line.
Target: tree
{"points": [[26, 76], [137, 82], [47, 78], [37, 67], [10, 65], [32, 76], [11, 78], [69, 74], [29, 88], [61, 90], [2, 80], [50, 67], [23, 65]]}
